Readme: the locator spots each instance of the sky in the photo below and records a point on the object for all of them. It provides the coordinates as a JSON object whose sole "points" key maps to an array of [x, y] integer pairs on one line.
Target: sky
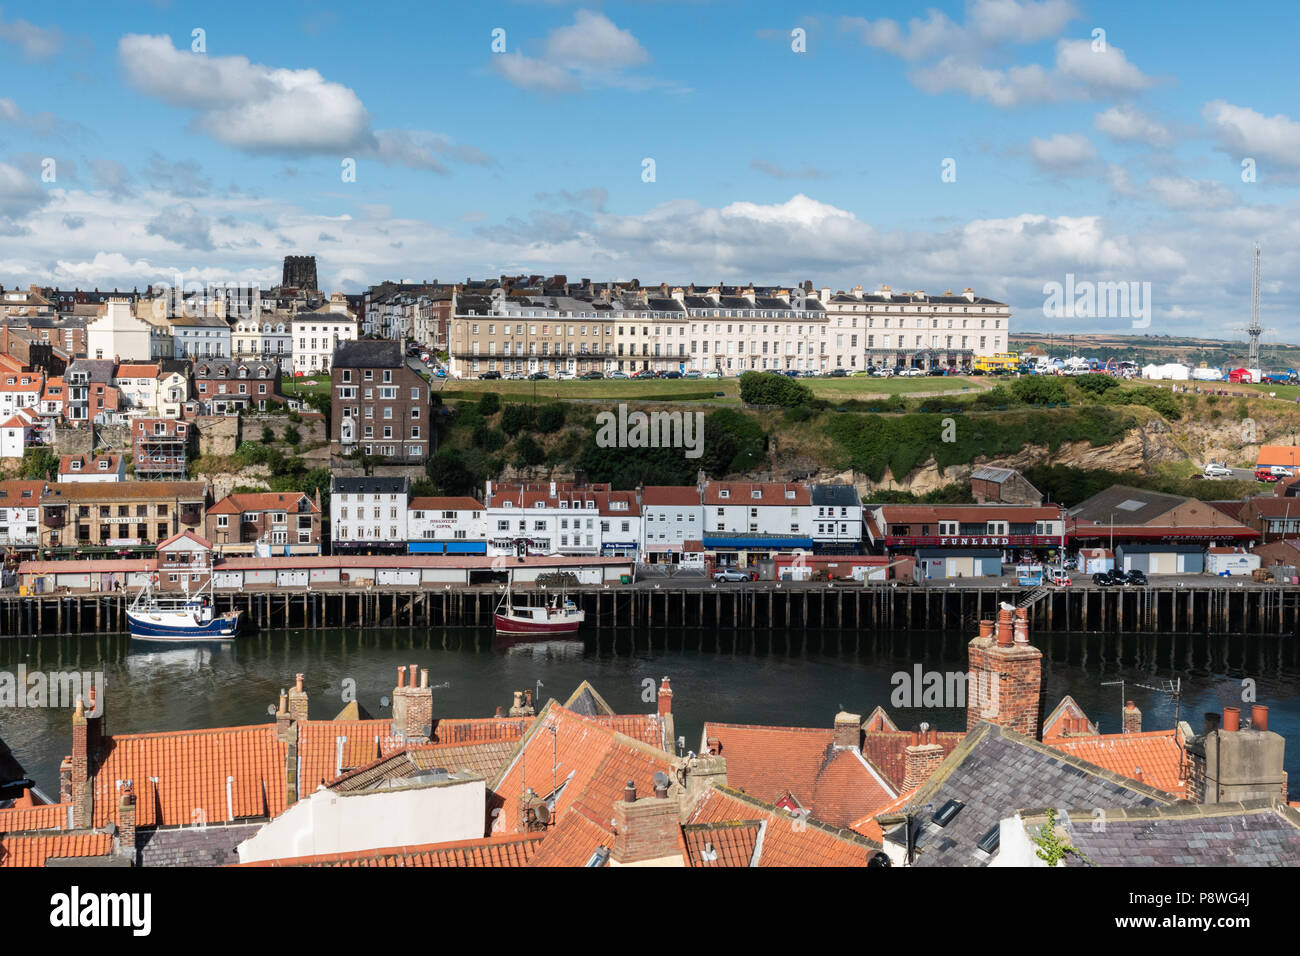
{"points": [[1000, 145]]}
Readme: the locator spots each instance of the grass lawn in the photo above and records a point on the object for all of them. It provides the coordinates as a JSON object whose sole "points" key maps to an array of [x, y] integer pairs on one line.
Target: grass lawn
{"points": [[307, 385], [1288, 392], [699, 389]]}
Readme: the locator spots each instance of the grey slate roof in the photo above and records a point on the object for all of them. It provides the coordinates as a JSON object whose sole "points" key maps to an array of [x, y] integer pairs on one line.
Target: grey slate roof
{"points": [[996, 772], [368, 353], [1130, 506], [839, 495], [371, 485], [1252, 833]]}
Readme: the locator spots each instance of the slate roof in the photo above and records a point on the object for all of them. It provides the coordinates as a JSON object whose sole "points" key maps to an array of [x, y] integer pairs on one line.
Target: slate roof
{"points": [[1252, 833], [838, 495], [1144, 506], [370, 485], [996, 772], [368, 353]]}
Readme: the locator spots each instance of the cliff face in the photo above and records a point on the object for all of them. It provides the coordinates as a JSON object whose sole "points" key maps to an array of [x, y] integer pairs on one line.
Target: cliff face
{"points": [[1150, 444]]}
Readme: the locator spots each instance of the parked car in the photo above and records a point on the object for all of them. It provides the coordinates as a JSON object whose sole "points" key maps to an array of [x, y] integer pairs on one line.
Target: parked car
{"points": [[1116, 575], [673, 375], [1136, 577], [1061, 578], [1213, 470], [694, 373], [713, 374], [912, 372], [618, 374], [487, 375], [592, 375], [839, 373], [538, 376], [730, 574], [1102, 580]]}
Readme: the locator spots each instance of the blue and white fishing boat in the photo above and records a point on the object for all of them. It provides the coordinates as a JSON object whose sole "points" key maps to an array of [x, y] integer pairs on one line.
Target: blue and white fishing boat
{"points": [[188, 617]]}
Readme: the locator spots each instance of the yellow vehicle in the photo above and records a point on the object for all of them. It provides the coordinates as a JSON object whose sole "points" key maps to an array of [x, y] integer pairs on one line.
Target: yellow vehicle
{"points": [[999, 362]]}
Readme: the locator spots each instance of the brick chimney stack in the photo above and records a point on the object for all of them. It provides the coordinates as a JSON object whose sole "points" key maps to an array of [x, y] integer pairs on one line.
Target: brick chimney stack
{"points": [[645, 829], [413, 706], [1005, 685], [921, 757], [81, 791], [1132, 719], [848, 730], [665, 703], [126, 819], [283, 722], [297, 701]]}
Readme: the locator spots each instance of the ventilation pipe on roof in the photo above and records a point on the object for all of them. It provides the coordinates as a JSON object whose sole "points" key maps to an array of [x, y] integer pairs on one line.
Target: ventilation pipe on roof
{"points": [[230, 799]]}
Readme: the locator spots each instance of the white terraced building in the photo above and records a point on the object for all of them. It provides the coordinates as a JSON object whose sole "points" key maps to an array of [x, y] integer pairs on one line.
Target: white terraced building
{"points": [[728, 330]]}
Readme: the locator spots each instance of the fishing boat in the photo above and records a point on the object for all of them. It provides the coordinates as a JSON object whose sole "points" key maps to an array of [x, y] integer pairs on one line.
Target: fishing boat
{"points": [[188, 617], [559, 615]]}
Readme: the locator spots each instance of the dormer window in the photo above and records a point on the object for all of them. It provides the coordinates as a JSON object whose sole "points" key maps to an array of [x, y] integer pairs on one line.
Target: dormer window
{"points": [[76, 465], [756, 493], [789, 495], [724, 493]]}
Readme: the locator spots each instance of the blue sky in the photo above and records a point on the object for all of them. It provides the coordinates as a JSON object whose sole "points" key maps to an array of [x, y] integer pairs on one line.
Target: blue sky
{"points": [[1114, 157]]}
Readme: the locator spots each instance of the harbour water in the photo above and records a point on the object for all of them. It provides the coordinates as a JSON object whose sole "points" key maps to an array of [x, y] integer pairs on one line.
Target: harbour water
{"points": [[785, 678]]}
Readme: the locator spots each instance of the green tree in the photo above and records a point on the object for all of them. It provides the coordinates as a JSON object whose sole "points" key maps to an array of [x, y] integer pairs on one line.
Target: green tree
{"points": [[770, 388], [528, 453], [268, 436], [489, 404], [448, 471], [292, 436], [516, 419], [488, 438], [550, 418], [40, 463]]}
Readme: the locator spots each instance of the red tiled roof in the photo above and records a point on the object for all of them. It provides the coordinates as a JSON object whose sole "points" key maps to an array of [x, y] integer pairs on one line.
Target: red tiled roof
{"points": [[868, 826], [586, 761], [263, 501], [885, 749], [89, 464], [1158, 754], [35, 850], [137, 371], [836, 784], [787, 841], [190, 768], [647, 728], [741, 493], [670, 495], [445, 504], [48, 816], [574, 840], [513, 850], [11, 493], [188, 536], [722, 844]]}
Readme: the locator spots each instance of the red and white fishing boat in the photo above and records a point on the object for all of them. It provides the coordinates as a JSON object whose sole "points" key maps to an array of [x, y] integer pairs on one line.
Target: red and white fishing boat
{"points": [[559, 615]]}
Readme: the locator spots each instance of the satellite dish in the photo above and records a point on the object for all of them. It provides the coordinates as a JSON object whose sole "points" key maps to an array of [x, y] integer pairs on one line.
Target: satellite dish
{"points": [[660, 778], [543, 814]]}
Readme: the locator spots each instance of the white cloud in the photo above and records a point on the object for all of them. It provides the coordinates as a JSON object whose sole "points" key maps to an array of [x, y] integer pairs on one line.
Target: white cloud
{"points": [[1243, 132], [261, 109], [1103, 72], [591, 52], [37, 43], [1006, 88], [1062, 153], [921, 39], [19, 193], [1179, 192], [1126, 123], [1020, 21]]}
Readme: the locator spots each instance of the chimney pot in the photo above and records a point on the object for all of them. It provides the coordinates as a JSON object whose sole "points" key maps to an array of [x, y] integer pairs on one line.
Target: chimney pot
{"points": [[1211, 722], [987, 628], [401, 676], [629, 792], [1231, 718], [1259, 717], [297, 684]]}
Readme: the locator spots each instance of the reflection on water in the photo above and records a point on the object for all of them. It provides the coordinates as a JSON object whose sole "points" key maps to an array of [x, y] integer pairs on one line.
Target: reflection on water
{"points": [[799, 678]]}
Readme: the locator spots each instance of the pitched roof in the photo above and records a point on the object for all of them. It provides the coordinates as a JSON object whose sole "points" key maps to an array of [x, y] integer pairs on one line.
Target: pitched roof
{"points": [[585, 762], [787, 840], [735, 843], [511, 850], [1156, 757], [886, 750], [485, 759], [670, 495], [769, 493], [37, 849], [463, 503], [263, 501], [178, 775], [46, 816], [996, 772], [1250, 833], [836, 784]]}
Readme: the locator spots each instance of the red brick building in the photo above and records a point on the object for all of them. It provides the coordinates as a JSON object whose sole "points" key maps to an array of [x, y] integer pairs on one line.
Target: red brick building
{"points": [[266, 523]]}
